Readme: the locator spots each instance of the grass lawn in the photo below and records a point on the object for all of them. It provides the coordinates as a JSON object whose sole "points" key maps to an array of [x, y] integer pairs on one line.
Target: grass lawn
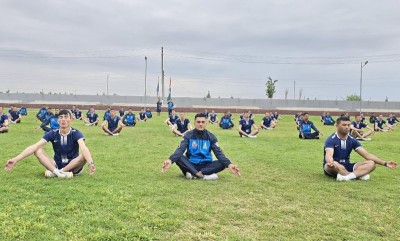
{"points": [[281, 195]]}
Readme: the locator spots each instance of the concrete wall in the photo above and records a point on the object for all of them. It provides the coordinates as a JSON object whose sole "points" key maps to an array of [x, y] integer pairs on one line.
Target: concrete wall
{"points": [[237, 105]]}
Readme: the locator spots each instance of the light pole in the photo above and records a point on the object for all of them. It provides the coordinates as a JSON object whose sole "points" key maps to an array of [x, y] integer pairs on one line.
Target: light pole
{"points": [[145, 82], [362, 66]]}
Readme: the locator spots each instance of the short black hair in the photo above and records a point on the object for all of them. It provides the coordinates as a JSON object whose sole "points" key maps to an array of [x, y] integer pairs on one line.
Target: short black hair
{"points": [[342, 118], [64, 112], [200, 115]]}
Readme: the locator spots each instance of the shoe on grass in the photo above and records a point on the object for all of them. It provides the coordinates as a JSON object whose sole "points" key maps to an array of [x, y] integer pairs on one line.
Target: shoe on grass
{"points": [[341, 178], [211, 177], [365, 177], [188, 175]]}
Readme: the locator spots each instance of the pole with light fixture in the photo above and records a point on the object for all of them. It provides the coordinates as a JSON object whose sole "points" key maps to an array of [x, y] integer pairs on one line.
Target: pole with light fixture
{"points": [[362, 66]]}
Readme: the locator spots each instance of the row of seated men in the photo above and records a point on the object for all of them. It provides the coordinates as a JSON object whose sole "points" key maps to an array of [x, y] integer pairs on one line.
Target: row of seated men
{"points": [[305, 126], [179, 125], [49, 118]]}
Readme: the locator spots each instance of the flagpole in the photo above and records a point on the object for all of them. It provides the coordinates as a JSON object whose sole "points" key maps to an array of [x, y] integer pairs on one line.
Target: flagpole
{"points": [[145, 82], [169, 90], [162, 73]]}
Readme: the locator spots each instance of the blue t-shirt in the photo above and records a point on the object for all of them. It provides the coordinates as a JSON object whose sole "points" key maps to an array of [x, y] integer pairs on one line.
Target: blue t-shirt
{"points": [[142, 116], [48, 115], [42, 112], [267, 121], [92, 117], [14, 115], [246, 125], [66, 147], [170, 105], [3, 117], [121, 113], [341, 148], [159, 104], [173, 118], [129, 119], [328, 119], [359, 126], [182, 125], [391, 121], [54, 122], [113, 122], [23, 111], [78, 114], [213, 117], [106, 115], [380, 123], [149, 114]]}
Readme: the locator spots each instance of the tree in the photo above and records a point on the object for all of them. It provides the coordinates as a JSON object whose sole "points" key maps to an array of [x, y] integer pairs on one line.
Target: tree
{"points": [[208, 95], [353, 97], [270, 90], [286, 93]]}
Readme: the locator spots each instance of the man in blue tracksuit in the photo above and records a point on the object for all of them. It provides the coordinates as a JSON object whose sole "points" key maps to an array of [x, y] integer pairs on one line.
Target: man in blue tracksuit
{"points": [[226, 122], [305, 127], [52, 122], [198, 161]]}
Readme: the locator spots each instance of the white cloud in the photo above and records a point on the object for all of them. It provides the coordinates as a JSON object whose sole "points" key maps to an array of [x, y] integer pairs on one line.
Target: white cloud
{"points": [[227, 47]]}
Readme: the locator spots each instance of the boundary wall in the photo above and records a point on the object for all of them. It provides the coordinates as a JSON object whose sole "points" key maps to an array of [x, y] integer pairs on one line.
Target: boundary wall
{"points": [[235, 105]]}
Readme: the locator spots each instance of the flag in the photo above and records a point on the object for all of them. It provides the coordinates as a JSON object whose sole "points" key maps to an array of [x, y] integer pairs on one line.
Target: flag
{"points": [[158, 88], [169, 90]]}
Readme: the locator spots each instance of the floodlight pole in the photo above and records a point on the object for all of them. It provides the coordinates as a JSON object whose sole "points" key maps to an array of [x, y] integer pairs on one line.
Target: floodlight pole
{"points": [[362, 66]]}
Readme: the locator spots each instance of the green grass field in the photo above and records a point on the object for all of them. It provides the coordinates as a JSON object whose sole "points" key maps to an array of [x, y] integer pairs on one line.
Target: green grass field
{"points": [[281, 195]]}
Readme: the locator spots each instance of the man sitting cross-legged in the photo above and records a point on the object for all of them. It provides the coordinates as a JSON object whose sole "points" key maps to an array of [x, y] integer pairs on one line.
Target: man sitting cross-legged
{"points": [[267, 122], [66, 142], [198, 161], [112, 125], [246, 125], [305, 127], [357, 132], [182, 125], [337, 149]]}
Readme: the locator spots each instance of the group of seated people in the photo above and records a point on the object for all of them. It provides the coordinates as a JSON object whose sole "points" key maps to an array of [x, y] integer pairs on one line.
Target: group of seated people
{"points": [[48, 119], [14, 114], [179, 125], [305, 126], [113, 121], [379, 122]]}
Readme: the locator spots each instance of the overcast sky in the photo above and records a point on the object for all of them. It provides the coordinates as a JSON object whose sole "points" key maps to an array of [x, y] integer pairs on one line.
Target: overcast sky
{"points": [[227, 47]]}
